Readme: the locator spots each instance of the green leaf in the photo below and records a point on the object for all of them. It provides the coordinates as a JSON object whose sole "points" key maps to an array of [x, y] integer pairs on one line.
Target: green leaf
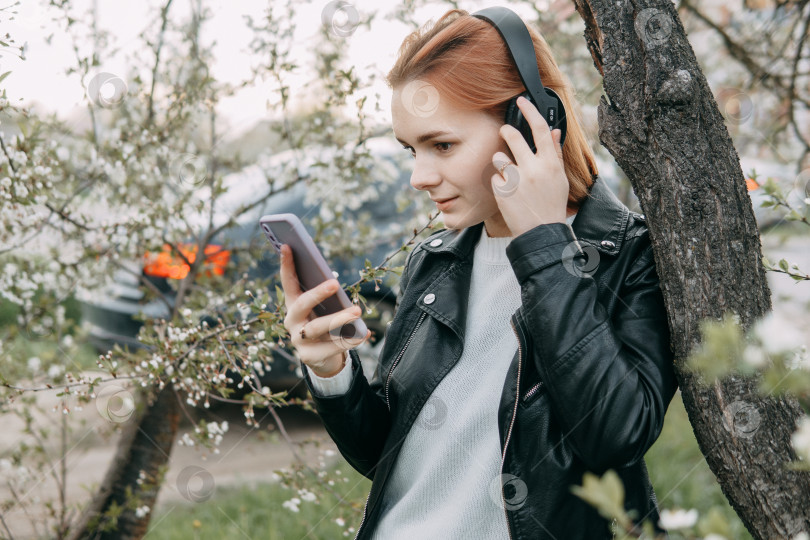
{"points": [[783, 264], [4, 75], [714, 522], [721, 347], [279, 296], [606, 494]]}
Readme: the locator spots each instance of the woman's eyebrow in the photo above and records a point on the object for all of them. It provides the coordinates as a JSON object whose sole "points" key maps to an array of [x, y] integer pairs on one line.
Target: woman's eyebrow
{"points": [[426, 136]]}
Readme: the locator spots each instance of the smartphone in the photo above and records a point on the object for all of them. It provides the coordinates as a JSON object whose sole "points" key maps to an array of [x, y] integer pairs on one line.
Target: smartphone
{"points": [[311, 267]]}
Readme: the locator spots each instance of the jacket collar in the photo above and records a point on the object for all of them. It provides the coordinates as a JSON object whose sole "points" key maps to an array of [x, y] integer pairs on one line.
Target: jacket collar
{"points": [[601, 222]]}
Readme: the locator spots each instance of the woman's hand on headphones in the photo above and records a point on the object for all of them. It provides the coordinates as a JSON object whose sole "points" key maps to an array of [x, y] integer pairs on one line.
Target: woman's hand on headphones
{"points": [[533, 191]]}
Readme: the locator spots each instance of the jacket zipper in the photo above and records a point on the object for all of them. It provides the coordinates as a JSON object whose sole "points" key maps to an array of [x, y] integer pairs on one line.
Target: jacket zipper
{"points": [[532, 391], [357, 534], [511, 424], [396, 361], [387, 381]]}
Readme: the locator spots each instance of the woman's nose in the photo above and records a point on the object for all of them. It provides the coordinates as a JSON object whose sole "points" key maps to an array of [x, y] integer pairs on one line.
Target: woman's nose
{"points": [[424, 176]]}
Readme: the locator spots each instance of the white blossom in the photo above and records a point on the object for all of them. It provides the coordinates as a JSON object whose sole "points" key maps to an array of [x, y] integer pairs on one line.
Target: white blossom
{"points": [[55, 371], [777, 333], [34, 363], [801, 438], [141, 511], [292, 504], [755, 357], [306, 495], [186, 440], [678, 518]]}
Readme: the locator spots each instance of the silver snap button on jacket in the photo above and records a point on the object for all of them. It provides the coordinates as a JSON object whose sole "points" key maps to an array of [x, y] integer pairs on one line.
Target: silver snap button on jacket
{"points": [[436, 242], [429, 298], [608, 244]]}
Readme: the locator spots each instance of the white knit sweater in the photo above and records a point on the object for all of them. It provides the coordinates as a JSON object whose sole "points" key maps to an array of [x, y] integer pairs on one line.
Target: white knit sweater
{"points": [[446, 480]]}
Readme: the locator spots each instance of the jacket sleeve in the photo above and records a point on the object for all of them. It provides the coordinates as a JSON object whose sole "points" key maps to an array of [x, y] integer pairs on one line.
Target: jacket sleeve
{"points": [[358, 420], [609, 378]]}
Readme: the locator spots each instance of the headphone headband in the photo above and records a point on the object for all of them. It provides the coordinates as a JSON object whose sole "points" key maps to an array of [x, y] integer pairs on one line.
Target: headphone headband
{"points": [[519, 42]]}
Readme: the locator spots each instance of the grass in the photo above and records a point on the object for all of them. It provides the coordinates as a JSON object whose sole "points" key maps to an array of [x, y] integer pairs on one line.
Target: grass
{"points": [[680, 475], [678, 471], [257, 512], [18, 347]]}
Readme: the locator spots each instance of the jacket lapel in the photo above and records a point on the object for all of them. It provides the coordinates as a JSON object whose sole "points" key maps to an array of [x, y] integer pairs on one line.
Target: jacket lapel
{"points": [[600, 222]]}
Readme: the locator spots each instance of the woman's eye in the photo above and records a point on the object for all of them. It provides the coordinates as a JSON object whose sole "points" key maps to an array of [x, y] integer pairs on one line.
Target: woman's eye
{"points": [[443, 143], [441, 146]]}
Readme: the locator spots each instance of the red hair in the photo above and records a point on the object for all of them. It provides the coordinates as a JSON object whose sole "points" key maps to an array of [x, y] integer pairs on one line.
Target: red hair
{"points": [[468, 63]]}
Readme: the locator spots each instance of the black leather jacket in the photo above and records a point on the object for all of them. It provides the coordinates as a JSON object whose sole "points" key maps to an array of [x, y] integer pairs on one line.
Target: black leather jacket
{"points": [[587, 389]]}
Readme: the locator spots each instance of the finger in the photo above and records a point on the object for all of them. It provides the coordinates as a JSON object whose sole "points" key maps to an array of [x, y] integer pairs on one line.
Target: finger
{"points": [[301, 308], [328, 349], [556, 135], [497, 181], [540, 130], [498, 161], [328, 327], [517, 145], [289, 278]]}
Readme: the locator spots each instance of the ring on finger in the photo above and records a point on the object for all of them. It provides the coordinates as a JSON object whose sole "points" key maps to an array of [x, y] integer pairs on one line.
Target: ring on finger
{"points": [[504, 166], [303, 332]]}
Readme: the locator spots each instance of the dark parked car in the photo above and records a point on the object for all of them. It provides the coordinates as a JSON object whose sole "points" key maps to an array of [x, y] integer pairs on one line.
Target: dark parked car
{"points": [[110, 316]]}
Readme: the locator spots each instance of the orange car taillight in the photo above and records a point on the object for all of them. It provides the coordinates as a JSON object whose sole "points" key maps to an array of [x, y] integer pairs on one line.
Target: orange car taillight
{"points": [[167, 264]]}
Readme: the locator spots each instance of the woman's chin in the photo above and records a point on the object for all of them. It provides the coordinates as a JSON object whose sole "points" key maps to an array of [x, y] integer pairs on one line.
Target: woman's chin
{"points": [[453, 223]]}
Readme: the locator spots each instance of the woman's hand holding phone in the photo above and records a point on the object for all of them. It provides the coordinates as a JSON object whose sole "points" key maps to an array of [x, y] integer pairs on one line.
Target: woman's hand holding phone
{"points": [[323, 349]]}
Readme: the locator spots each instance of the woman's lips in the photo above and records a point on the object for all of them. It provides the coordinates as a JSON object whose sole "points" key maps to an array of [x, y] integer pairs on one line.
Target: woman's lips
{"points": [[446, 204]]}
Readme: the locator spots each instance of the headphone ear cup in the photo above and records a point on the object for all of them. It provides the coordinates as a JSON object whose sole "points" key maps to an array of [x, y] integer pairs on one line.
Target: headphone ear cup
{"points": [[561, 123], [515, 118]]}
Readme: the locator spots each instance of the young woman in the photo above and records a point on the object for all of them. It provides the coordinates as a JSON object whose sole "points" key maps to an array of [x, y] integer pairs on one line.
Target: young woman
{"points": [[530, 342]]}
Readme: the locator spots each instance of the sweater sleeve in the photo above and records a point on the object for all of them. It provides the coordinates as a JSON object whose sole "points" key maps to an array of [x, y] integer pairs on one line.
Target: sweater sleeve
{"points": [[336, 384]]}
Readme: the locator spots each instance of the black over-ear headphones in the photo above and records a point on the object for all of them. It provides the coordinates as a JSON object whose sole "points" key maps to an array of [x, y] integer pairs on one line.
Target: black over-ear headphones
{"points": [[521, 48]]}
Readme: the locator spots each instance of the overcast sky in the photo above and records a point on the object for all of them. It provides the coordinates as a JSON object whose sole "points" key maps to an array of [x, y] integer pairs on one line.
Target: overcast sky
{"points": [[41, 77]]}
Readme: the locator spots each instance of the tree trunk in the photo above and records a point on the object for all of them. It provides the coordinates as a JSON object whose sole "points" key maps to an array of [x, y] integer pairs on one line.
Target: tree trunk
{"points": [[145, 445], [662, 125]]}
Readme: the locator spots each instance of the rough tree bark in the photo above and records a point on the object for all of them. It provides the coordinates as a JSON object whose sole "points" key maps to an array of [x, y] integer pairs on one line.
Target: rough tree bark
{"points": [[662, 125], [145, 445]]}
